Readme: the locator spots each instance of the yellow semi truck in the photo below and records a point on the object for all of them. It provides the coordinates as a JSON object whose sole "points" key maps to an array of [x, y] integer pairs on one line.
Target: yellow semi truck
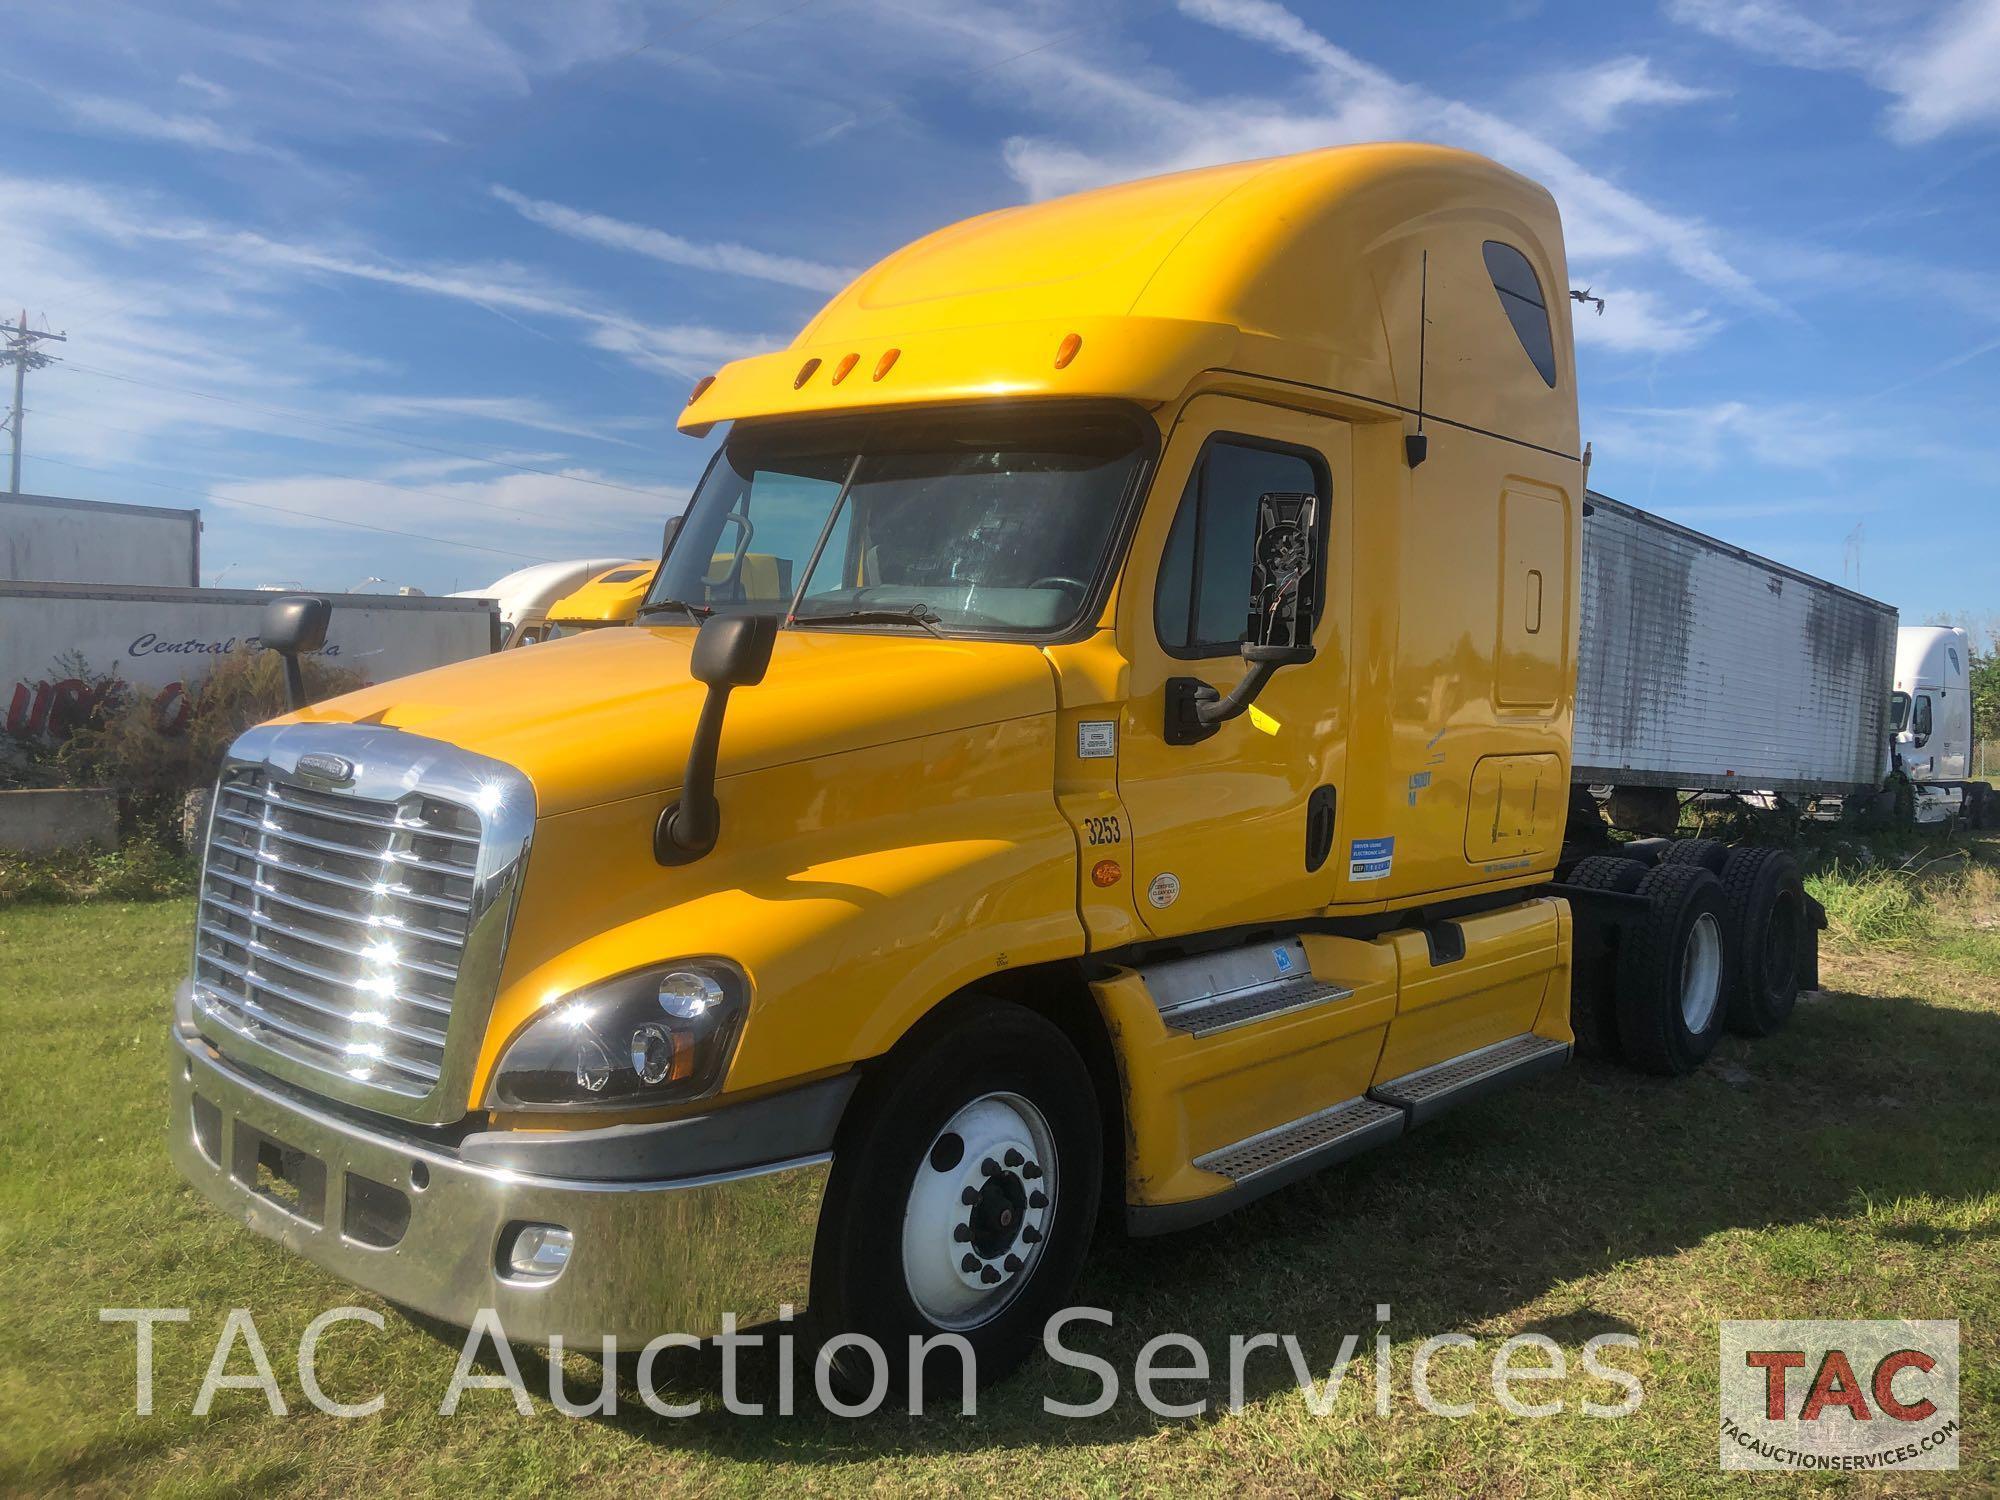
{"points": [[1099, 739]]}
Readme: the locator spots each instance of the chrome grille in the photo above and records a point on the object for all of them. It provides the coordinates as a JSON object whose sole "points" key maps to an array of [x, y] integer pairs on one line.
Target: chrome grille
{"points": [[340, 928]]}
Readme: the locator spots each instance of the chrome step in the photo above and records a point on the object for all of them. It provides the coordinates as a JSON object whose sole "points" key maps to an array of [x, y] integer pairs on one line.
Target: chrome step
{"points": [[1215, 992], [1304, 1145], [1430, 1091]]}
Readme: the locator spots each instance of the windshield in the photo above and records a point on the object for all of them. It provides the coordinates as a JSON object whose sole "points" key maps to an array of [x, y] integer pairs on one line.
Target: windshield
{"points": [[967, 522]]}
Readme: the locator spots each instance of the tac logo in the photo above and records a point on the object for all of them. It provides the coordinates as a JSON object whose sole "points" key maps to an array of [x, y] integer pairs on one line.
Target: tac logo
{"points": [[1834, 1396]]}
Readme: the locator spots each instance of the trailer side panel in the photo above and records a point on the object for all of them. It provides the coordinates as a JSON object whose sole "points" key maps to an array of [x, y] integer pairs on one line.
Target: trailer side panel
{"points": [[1703, 666]]}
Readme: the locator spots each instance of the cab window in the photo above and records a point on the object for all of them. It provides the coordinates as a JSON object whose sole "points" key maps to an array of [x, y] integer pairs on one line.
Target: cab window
{"points": [[1920, 723], [1201, 606]]}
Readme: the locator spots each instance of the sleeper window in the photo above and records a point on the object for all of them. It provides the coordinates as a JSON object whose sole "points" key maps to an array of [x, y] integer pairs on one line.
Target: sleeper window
{"points": [[1521, 295]]}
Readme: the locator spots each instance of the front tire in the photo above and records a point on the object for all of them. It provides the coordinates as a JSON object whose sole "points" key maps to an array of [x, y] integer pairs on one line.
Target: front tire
{"points": [[963, 1194]]}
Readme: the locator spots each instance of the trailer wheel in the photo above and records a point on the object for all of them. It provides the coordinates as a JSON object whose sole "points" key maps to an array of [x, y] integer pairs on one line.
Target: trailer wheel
{"points": [[1594, 995], [1704, 854], [962, 1198], [1673, 972], [1764, 898]]}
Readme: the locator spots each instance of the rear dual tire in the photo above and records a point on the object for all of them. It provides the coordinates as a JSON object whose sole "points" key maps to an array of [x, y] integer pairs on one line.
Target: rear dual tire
{"points": [[1673, 971]]}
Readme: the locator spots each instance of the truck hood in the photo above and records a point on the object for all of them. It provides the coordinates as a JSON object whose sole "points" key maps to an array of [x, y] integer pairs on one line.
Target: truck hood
{"points": [[609, 715]]}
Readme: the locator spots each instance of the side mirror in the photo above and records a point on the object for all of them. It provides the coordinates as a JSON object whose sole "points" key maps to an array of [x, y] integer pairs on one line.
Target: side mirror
{"points": [[1284, 600], [667, 534], [291, 625], [730, 651]]}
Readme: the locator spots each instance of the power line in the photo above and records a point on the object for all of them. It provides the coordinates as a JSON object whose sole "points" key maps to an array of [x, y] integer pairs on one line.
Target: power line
{"points": [[20, 352], [339, 424], [214, 499], [304, 473]]}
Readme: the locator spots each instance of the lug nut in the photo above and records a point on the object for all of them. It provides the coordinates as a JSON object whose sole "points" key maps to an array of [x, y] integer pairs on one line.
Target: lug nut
{"points": [[1031, 1234], [1038, 1199], [969, 1197], [1013, 1158], [970, 1263], [990, 1167], [988, 1275], [962, 1233], [1012, 1262], [1031, 1171]]}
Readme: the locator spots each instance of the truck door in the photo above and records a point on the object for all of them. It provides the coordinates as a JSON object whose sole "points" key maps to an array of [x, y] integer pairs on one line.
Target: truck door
{"points": [[1241, 826]]}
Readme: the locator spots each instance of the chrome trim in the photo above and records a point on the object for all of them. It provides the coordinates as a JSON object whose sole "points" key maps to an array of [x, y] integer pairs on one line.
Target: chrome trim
{"points": [[293, 1015], [649, 1257]]}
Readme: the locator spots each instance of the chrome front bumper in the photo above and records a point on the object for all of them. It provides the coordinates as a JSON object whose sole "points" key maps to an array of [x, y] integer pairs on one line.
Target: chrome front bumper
{"points": [[420, 1226]]}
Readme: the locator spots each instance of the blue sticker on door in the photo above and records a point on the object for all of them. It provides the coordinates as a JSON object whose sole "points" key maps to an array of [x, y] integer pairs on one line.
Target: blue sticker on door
{"points": [[1370, 859]]}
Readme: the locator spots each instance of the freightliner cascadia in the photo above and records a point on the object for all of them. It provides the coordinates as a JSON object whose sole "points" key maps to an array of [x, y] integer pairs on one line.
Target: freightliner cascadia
{"points": [[1101, 736]]}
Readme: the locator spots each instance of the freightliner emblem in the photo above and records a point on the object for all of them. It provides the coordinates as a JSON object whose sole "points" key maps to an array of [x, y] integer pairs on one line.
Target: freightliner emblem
{"points": [[336, 770]]}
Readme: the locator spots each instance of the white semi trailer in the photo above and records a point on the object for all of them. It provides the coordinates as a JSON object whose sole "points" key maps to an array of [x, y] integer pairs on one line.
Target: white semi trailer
{"points": [[161, 641], [1705, 668], [49, 539]]}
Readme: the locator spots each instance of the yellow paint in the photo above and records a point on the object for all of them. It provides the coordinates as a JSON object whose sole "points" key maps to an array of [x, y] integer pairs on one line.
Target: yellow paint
{"points": [[904, 815], [613, 597]]}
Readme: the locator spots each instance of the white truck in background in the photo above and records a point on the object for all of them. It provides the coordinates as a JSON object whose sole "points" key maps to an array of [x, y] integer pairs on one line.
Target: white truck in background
{"points": [[50, 539], [1931, 717], [524, 595]]}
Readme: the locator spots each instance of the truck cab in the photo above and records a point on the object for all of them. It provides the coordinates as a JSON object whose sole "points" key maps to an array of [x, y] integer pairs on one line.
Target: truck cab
{"points": [[612, 597], [1931, 718], [1100, 735]]}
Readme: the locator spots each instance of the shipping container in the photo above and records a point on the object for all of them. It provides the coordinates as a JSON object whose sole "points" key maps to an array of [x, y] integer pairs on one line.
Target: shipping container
{"points": [[48, 539], [1706, 667]]}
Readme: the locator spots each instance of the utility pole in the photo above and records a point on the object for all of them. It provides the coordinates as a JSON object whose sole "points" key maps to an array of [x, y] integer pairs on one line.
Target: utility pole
{"points": [[20, 352]]}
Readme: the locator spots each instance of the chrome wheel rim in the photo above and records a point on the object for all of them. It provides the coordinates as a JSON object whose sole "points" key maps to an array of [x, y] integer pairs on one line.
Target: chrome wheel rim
{"points": [[979, 1211], [1701, 973]]}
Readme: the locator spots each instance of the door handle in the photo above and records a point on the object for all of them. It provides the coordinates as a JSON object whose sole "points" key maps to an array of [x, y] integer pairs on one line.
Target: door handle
{"points": [[1319, 826]]}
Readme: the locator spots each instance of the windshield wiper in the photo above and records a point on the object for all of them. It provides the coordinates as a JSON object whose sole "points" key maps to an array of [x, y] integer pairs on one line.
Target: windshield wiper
{"points": [[916, 614], [693, 611]]}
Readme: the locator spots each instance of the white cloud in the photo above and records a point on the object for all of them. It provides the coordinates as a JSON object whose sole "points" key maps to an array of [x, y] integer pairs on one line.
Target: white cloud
{"points": [[1771, 28], [215, 93], [672, 249], [1597, 97], [1707, 437], [1941, 79], [1639, 321], [125, 118], [1951, 80]]}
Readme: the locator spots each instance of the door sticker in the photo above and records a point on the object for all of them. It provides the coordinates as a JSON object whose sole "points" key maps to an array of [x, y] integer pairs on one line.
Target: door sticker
{"points": [[1164, 891], [1096, 739], [1370, 859]]}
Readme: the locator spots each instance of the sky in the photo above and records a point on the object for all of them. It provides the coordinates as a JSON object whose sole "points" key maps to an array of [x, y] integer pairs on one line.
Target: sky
{"points": [[408, 292]]}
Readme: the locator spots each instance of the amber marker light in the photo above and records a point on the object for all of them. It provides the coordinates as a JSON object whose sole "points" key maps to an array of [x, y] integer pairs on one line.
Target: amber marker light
{"points": [[805, 373], [1105, 872], [700, 389], [887, 362], [846, 366], [1066, 350]]}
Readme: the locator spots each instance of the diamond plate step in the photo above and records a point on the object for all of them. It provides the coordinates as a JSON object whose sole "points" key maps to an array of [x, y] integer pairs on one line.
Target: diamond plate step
{"points": [[1220, 991], [1304, 1145], [1205, 1017], [1430, 1091]]}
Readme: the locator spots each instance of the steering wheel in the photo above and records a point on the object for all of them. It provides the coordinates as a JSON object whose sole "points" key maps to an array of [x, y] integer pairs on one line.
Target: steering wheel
{"points": [[1057, 580]]}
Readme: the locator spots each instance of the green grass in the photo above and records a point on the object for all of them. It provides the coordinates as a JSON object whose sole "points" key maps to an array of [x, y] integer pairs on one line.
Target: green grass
{"points": [[1844, 1169]]}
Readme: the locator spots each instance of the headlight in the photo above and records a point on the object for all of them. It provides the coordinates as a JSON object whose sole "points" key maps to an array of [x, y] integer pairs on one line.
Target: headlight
{"points": [[650, 1037]]}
